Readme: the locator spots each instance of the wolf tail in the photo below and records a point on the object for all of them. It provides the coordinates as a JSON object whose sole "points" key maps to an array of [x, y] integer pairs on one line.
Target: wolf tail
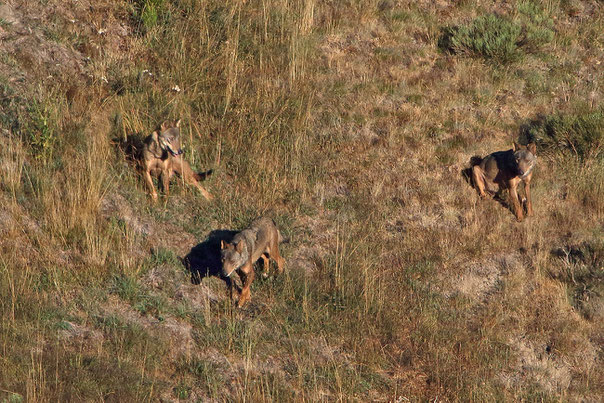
{"points": [[201, 176], [475, 160], [281, 239]]}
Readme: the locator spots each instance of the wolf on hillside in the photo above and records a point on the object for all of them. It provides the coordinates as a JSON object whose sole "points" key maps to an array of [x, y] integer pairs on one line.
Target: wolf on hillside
{"points": [[162, 156], [260, 240], [505, 170]]}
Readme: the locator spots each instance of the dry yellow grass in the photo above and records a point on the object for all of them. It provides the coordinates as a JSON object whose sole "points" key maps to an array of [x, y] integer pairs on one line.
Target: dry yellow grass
{"points": [[349, 125]]}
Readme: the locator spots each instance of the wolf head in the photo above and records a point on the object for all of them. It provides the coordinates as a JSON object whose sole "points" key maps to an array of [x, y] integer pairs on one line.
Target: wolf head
{"points": [[169, 137], [232, 256], [525, 158]]}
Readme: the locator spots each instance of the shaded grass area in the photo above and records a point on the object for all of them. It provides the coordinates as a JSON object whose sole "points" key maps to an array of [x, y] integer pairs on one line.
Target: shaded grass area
{"points": [[347, 125], [580, 134]]}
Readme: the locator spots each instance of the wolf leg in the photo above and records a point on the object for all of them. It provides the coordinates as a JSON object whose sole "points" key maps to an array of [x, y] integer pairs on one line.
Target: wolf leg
{"points": [[529, 203], [478, 179], [149, 182], [277, 256], [513, 190], [183, 168], [165, 181], [247, 276], [230, 283], [266, 265]]}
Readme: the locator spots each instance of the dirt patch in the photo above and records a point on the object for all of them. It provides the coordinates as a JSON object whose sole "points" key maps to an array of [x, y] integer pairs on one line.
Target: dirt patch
{"points": [[306, 255], [115, 205], [75, 334], [534, 363], [33, 52], [557, 371], [325, 353], [54, 42], [175, 282], [195, 295], [480, 279], [157, 235]]}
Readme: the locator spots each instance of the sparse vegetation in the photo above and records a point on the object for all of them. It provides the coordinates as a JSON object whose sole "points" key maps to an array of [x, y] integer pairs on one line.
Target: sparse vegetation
{"points": [[582, 272], [348, 125]]}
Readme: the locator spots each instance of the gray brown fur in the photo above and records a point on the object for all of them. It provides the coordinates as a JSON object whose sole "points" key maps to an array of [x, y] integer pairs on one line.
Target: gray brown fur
{"points": [[260, 240], [162, 156], [505, 170]]}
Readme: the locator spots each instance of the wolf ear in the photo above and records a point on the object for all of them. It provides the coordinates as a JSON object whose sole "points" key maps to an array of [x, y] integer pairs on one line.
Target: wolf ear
{"points": [[515, 146], [165, 126], [177, 124], [239, 247], [532, 147]]}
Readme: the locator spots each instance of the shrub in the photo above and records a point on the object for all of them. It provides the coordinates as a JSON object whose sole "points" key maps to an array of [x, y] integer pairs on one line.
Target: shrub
{"points": [[500, 38], [536, 26], [581, 134], [490, 36]]}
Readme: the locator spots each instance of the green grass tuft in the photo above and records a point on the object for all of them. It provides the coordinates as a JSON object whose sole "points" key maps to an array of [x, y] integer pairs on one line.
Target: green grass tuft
{"points": [[149, 12]]}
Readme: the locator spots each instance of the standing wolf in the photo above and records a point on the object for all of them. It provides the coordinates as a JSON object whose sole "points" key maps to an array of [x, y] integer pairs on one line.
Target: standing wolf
{"points": [[162, 156], [505, 170], [260, 240]]}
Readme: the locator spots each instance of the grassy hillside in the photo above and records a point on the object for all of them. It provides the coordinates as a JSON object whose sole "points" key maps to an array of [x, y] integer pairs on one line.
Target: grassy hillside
{"points": [[348, 122]]}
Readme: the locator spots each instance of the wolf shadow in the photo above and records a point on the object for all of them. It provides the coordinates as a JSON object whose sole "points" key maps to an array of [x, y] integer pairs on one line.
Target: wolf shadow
{"points": [[131, 147], [204, 259]]}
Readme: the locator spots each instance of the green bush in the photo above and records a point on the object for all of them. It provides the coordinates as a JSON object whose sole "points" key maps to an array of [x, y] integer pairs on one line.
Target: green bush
{"points": [[490, 36], [536, 25], [501, 38], [581, 134]]}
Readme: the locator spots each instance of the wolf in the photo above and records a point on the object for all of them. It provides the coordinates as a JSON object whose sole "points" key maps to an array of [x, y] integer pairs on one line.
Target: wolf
{"points": [[260, 240], [162, 155], [505, 170]]}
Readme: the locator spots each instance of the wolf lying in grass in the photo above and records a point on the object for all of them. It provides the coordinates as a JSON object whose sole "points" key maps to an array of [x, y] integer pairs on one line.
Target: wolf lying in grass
{"points": [[162, 156], [505, 170], [260, 240]]}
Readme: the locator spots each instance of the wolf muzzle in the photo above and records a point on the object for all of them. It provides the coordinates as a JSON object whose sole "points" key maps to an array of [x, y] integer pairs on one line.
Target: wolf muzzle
{"points": [[525, 174], [175, 153]]}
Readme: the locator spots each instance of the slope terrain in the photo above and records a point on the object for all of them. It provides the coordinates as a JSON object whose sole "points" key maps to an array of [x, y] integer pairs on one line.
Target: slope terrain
{"points": [[351, 123]]}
